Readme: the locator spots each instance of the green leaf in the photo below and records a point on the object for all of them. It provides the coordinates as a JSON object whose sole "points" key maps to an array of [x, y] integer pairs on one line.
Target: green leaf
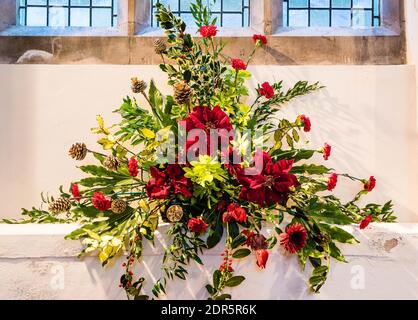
{"points": [[210, 289], [295, 135], [336, 253], [216, 279], [223, 297], [215, 235], [237, 241], [295, 154], [338, 234], [310, 169], [234, 281], [241, 253]]}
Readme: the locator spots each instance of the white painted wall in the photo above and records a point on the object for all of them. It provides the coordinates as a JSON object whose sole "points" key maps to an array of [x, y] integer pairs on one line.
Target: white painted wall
{"points": [[37, 263], [367, 113]]}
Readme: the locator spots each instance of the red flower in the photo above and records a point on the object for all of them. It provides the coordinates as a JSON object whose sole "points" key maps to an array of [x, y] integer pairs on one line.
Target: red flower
{"points": [[133, 167], [232, 160], [197, 225], [295, 238], [332, 181], [100, 202], [369, 185], [256, 241], [327, 151], [270, 186], [170, 180], [234, 213], [306, 122], [259, 38], [75, 191], [221, 206], [238, 64], [366, 221], [207, 119], [266, 90], [208, 31], [262, 256]]}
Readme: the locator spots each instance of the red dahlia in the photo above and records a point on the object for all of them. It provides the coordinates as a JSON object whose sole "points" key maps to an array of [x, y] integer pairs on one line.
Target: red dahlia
{"points": [[133, 167], [266, 90], [172, 179], [295, 238], [271, 185], [238, 64], [370, 184], [259, 38], [211, 121], [262, 256], [306, 122], [235, 213], [75, 191], [208, 31], [326, 151], [366, 221], [332, 181], [197, 225], [100, 202]]}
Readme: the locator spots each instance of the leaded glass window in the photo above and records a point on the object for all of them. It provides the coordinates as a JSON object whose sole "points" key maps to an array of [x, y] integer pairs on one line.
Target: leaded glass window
{"points": [[331, 13], [230, 13], [62, 13]]}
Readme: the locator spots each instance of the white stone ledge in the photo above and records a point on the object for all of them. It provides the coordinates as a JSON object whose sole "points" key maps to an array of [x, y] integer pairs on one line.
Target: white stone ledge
{"points": [[33, 257]]}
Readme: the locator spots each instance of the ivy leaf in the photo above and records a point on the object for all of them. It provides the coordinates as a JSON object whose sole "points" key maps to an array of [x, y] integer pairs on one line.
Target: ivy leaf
{"points": [[234, 281], [241, 253]]}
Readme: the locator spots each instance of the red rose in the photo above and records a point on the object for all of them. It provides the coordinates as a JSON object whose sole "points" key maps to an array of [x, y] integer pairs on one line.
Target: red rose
{"points": [[197, 225], [262, 256], [366, 221], [238, 64], [295, 238], [75, 191], [208, 31], [100, 202], [133, 167], [260, 39], [171, 180], [332, 181], [234, 213], [266, 90], [306, 122], [207, 119], [272, 185], [327, 151], [369, 185]]}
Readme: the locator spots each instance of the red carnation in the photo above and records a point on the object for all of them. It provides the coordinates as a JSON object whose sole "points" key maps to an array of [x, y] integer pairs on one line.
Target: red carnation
{"points": [[208, 31], [207, 119], [234, 213], [366, 221], [171, 180], [238, 64], [332, 181], [295, 237], [133, 167], [370, 184], [197, 225], [262, 256], [75, 191], [100, 202], [306, 122], [326, 151], [266, 90], [271, 185], [260, 39]]}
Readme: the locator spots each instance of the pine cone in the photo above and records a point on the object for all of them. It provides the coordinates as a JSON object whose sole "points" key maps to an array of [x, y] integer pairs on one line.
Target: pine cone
{"points": [[160, 46], [182, 93], [59, 206], [118, 206], [111, 163], [138, 86], [78, 151]]}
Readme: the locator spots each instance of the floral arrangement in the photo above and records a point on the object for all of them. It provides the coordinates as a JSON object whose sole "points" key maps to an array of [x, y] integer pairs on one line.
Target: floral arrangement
{"points": [[210, 164]]}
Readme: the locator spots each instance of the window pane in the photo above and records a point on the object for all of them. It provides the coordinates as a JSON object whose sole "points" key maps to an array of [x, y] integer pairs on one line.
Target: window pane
{"points": [[347, 13], [96, 13]]}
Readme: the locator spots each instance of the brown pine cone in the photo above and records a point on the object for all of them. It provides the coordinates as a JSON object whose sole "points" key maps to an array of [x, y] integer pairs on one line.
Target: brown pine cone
{"points": [[160, 46], [118, 206], [59, 206], [111, 163], [182, 93], [138, 86], [78, 151]]}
